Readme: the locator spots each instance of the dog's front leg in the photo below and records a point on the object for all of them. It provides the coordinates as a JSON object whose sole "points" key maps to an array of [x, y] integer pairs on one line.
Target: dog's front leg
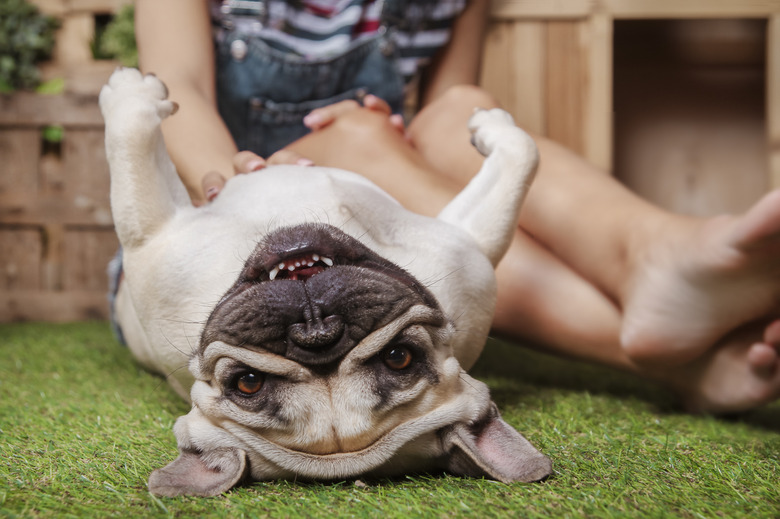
{"points": [[489, 206], [145, 189]]}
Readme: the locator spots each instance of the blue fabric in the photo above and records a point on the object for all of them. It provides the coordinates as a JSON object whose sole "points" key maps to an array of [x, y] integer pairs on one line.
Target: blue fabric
{"points": [[264, 94], [114, 272]]}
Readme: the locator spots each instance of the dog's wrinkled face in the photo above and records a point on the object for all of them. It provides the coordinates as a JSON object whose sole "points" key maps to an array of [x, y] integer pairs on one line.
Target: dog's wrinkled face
{"points": [[326, 357], [319, 341], [324, 360]]}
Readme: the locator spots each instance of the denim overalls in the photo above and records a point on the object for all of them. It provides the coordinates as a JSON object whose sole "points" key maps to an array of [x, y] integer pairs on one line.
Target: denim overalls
{"points": [[263, 93]]}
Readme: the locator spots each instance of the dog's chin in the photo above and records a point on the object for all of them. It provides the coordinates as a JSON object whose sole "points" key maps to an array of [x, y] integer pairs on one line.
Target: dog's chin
{"points": [[410, 439]]}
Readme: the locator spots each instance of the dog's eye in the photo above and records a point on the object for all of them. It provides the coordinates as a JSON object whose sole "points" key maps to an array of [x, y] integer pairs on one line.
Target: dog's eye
{"points": [[249, 383], [397, 357]]}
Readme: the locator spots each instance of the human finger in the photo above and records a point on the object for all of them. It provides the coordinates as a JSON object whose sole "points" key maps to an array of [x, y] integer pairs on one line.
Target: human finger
{"points": [[322, 117], [212, 183], [378, 104], [285, 156], [397, 122], [247, 162]]}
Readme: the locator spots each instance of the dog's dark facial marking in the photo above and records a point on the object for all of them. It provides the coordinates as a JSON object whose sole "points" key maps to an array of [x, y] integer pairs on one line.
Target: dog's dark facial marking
{"points": [[400, 365], [254, 391], [311, 293]]}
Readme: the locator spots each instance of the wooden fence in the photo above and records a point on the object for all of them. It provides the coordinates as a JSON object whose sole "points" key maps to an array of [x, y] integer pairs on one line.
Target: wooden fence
{"points": [[549, 62], [56, 232]]}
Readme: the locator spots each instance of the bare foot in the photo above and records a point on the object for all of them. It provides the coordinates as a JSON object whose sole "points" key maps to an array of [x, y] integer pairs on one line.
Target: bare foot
{"points": [[699, 282], [740, 373]]}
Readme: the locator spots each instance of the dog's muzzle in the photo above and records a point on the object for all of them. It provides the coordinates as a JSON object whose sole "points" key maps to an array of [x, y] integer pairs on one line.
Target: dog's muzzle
{"points": [[311, 293]]}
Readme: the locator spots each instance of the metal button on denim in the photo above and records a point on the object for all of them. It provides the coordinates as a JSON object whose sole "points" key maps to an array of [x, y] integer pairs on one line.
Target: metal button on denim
{"points": [[238, 49]]}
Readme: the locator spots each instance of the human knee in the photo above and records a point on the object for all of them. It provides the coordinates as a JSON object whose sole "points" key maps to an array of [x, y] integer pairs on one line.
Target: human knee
{"points": [[365, 125], [467, 96], [451, 110]]}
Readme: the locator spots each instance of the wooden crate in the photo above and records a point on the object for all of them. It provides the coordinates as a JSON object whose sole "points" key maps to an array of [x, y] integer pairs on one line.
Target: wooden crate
{"points": [[56, 232], [551, 63]]}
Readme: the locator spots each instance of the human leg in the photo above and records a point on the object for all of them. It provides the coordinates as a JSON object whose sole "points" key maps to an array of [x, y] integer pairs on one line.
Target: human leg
{"points": [[624, 245], [683, 288], [541, 296]]}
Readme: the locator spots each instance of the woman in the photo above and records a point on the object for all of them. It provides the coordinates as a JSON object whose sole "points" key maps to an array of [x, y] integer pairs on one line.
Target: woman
{"points": [[594, 271]]}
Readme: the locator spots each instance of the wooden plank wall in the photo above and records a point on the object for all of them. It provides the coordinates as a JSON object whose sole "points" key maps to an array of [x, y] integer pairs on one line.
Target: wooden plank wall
{"points": [[56, 232], [550, 63]]}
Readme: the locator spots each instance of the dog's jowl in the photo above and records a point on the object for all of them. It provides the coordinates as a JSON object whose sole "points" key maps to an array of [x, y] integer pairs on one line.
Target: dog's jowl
{"points": [[326, 329]]}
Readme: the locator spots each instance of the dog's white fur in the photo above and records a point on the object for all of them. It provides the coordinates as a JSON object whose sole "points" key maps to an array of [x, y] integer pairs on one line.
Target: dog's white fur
{"points": [[179, 261]]}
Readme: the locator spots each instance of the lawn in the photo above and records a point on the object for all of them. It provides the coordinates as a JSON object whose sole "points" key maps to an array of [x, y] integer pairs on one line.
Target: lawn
{"points": [[81, 428]]}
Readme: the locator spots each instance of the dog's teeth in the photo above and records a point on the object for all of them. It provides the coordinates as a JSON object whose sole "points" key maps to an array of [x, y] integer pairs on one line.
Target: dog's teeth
{"points": [[273, 273], [291, 268], [281, 265], [315, 257], [327, 261], [297, 264]]}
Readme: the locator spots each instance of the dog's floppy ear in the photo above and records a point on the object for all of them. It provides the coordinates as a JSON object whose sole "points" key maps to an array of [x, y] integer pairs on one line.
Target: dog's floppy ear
{"points": [[200, 474], [492, 448]]}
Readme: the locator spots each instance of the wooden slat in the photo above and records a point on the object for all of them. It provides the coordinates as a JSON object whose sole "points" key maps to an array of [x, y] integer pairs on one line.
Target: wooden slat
{"points": [[52, 263], [64, 7], [690, 8], [494, 74], [541, 9], [565, 60], [527, 66], [21, 251], [514, 71], [86, 256], [73, 39], [39, 305], [773, 98], [578, 9], [31, 209], [84, 79], [28, 109], [87, 180], [19, 152], [97, 6], [597, 90], [51, 7], [774, 168]]}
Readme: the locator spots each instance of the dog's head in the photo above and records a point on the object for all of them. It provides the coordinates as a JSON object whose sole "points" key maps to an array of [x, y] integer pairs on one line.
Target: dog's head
{"points": [[326, 361]]}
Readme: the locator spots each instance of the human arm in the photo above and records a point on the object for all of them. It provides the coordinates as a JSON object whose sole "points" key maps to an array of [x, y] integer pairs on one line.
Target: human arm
{"points": [[458, 63], [175, 43]]}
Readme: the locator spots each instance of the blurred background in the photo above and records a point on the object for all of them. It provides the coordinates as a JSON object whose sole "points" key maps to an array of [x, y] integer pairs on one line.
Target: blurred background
{"points": [[680, 99]]}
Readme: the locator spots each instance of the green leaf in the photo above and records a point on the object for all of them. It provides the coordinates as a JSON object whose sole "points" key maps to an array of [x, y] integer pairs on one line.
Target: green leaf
{"points": [[51, 87], [53, 133]]}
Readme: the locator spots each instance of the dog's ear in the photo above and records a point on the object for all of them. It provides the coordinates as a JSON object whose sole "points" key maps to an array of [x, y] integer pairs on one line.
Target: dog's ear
{"points": [[492, 448], [200, 474]]}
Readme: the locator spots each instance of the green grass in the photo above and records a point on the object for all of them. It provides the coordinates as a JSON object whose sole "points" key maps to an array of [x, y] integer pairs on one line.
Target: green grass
{"points": [[81, 428]]}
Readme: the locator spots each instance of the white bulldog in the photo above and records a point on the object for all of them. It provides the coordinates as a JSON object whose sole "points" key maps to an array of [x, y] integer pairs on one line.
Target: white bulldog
{"points": [[326, 328]]}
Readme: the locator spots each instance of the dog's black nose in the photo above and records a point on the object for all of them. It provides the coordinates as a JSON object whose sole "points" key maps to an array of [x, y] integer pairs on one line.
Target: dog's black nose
{"points": [[316, 332]]}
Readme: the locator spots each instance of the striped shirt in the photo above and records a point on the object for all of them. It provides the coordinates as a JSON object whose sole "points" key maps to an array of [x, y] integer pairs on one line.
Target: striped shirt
{"points": [[322, 29]]}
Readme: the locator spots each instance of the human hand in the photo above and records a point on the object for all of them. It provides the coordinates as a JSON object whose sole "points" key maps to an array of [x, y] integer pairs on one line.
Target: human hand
{"points": [[248, 162], [322, 117]]}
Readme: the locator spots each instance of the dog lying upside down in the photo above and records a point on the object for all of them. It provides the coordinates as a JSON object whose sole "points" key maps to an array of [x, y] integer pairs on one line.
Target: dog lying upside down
{"points": [[327, 329]]}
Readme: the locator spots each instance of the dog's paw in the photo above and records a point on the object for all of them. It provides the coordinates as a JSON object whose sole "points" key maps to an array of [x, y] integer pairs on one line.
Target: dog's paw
{"points": [[128, 88], [489, 127]]}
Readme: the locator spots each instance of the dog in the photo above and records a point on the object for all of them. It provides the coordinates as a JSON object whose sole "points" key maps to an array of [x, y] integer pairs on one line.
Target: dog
{"points": [[326, 329]]}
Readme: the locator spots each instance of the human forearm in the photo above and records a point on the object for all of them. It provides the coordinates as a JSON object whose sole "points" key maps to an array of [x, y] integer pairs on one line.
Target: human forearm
{"points": [[459, 62], [181, 54], [197, 140]]}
